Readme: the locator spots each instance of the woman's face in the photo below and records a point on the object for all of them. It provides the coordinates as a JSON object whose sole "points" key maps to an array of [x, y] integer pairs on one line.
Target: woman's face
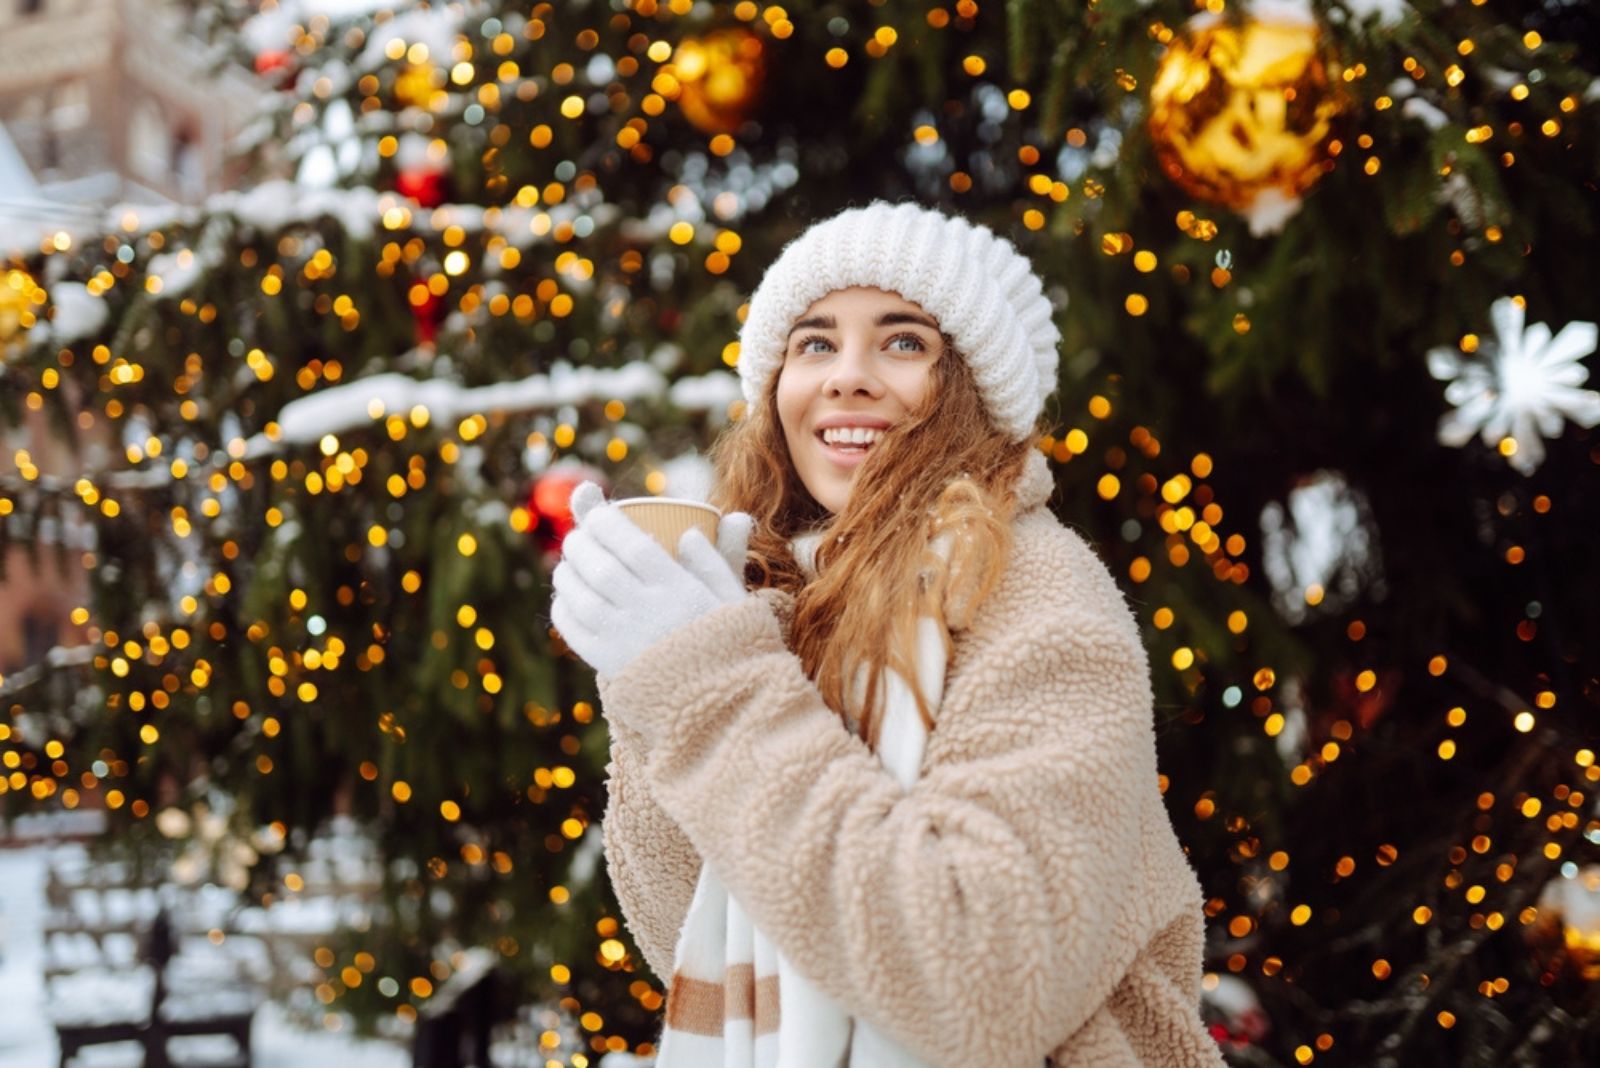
{"points": [[856, 362]]}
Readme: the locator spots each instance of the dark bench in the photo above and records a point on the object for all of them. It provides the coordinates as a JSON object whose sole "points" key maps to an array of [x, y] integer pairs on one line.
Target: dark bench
{"points": [[153, 1033], [453, 1026]]}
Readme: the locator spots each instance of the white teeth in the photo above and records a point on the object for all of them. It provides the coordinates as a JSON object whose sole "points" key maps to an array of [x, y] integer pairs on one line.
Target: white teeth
{"points": [[851, 435]]}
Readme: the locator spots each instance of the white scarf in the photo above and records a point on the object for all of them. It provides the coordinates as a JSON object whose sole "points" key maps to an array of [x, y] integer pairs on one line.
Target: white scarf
{"points": [[735, 1001]]}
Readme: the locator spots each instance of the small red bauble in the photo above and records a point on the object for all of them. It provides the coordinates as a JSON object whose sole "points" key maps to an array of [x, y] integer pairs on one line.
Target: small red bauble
{"points": [[429, 188], [428, 315], [277, 66], [550, 502]]}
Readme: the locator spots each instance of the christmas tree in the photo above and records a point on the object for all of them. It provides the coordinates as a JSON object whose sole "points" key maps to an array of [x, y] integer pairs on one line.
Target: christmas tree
{"points": [[1321, 274]]}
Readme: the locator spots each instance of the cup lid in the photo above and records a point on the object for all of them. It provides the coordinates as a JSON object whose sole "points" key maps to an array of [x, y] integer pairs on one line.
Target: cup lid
{"points": [[682, 501]]}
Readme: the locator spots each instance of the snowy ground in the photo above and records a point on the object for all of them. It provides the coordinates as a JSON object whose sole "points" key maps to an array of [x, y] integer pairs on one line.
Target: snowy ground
{"points": [[27, 1040]]}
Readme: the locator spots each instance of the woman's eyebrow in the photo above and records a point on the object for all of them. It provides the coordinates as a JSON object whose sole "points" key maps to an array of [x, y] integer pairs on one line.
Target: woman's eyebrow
{"points": [[895, 318], [816, 322], [828, 322]]}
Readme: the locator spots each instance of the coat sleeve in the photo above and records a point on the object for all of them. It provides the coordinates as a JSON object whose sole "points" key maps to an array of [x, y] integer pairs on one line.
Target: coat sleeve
{"points": [[652, 864], [983, 910]]}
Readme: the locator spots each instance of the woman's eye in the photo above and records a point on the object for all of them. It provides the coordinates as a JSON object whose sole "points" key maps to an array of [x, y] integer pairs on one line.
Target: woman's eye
{"points": [[916, 342], [806, 343]]}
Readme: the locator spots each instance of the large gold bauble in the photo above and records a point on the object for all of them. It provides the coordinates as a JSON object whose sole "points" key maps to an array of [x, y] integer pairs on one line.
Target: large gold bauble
{"points": [[1240, 110], [1566, 933], [414, 85], [19, 296], [719, 77]]}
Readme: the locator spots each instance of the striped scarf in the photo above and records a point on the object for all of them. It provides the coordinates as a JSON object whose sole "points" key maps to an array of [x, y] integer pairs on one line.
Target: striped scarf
{"points": [[734, 1000]]}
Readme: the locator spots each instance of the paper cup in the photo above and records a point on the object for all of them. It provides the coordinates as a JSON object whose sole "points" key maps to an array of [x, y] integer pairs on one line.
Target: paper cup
{"points": [[667, 518]]}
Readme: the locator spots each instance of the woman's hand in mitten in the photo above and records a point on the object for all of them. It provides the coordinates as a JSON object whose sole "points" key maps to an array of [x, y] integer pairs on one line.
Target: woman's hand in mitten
{"points": [[618, 591], [733, 545]]}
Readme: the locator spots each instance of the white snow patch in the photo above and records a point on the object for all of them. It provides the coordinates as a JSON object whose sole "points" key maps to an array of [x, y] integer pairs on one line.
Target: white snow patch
{"points": [[271, 206], [435, 28], [711, 393], [342, 408], [78, 312], [1388, 12], [177, 270], [271, 28], [275, 205], [1424, 112], [1283, 11], [1270, 211]]}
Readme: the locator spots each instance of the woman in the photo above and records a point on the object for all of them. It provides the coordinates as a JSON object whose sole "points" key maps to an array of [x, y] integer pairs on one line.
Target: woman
{"points": [[898, 803]]}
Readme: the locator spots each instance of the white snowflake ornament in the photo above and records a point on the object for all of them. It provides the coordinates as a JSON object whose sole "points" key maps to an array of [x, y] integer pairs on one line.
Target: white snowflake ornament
{"points": [[1520, 388]]}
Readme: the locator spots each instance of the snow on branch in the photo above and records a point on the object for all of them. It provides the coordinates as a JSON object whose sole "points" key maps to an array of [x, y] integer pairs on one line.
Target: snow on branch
{"points": [[347, 407]]}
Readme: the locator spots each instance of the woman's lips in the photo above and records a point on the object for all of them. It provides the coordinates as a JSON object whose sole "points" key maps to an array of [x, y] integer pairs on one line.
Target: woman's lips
{"points": [[846, 458]]}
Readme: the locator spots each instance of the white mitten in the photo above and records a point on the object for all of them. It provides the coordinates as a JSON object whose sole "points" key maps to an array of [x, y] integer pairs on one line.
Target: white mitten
{"points": [[618, 591], [733, 544]]}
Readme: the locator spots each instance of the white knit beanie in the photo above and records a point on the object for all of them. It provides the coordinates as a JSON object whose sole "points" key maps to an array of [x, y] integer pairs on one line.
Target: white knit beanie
{"points": [[981, 289]]}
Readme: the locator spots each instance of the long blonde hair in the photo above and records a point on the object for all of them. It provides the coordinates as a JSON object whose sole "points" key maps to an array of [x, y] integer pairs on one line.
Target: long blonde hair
{"points": [[945, 470]]}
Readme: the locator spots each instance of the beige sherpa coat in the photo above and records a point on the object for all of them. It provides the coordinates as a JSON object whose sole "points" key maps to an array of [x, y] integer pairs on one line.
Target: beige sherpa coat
{"points": [[1027, 897]]}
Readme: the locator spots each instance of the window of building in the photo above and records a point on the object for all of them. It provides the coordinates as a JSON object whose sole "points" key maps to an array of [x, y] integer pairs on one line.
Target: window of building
{"points": [[39, 633]]}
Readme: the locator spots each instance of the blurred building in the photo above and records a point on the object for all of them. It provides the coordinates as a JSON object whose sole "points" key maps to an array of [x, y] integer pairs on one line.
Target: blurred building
{"points": [[102, 102], [105, 101]]}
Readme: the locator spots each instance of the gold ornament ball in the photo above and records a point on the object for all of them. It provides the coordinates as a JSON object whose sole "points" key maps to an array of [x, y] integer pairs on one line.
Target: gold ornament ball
{"points": [[19, 295], [413, 86], [1565, 935], [719, 77], [1239, 110]]}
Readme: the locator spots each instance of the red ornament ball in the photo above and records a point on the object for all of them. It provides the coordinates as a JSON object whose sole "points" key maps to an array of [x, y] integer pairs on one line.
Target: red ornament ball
{"points": [[429, 188], [277, 66], [550, 502], [427, 316]]}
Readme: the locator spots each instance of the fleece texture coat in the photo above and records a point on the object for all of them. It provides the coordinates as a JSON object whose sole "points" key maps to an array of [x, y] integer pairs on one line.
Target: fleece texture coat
{"points": [[1027, 897]]}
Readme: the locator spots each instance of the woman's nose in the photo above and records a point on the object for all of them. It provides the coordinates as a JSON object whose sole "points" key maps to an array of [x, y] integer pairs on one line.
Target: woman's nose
{"points": [[852, 374]]}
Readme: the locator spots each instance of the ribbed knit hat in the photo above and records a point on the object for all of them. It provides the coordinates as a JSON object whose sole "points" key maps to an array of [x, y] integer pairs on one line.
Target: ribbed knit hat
{"points": [[984, 293]]}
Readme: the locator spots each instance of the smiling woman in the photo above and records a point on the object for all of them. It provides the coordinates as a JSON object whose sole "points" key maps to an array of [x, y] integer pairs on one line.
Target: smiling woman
{"points": [[883, 786]]}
